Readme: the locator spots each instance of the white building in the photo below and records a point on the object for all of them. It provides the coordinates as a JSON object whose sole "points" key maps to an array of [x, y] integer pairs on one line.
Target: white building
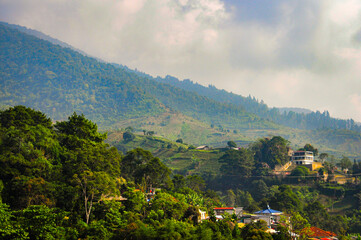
{"points": [[302, 157]]}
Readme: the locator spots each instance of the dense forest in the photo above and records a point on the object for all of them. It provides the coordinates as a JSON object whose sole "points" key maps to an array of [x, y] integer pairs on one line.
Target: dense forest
{"points": [[61, 181], [59, 81], [312, 120]]}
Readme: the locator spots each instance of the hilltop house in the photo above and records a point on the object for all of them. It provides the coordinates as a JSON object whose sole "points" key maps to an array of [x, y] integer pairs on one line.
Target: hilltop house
{"points": [[305, 158], [302, 157]]}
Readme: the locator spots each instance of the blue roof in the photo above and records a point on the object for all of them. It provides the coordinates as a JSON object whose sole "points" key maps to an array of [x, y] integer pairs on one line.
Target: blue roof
{"points": [[268, 211]]}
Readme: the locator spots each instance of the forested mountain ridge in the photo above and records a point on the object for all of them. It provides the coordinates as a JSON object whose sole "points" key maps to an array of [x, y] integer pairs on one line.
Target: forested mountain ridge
{"points": [[59, 81], [302, 119], [41, 35]]}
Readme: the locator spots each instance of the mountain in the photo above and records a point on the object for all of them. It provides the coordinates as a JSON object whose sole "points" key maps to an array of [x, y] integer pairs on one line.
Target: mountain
{"points": [[41, 36], [291, 117], [58, 81], [286, 110]]}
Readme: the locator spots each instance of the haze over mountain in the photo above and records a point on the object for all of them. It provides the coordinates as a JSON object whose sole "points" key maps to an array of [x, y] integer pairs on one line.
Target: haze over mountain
{"points": [[58, 81], [288, 53]]}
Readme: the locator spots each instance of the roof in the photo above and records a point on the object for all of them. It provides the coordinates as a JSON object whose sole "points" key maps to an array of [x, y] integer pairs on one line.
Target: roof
{"points": [[223, 208], [268, 211], [317, 232]]}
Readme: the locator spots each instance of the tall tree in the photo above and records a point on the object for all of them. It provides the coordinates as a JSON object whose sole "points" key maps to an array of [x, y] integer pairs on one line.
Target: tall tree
{"points": [[271, 151], [89, 164], [237, 163]]}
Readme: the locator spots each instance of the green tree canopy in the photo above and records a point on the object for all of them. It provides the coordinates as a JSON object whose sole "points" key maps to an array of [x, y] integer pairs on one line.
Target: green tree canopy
{"points": [[309, 147], [271, 151], [237, 163]]}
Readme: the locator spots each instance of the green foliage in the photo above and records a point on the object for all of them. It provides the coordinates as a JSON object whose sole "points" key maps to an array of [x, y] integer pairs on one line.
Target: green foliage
{"points": [[231, 144], [128, 136], [309, 147], [41, 222], [301, 172], [10, 229], [286, 200], [237, 163], [53, 177], [271, 151], [60, 81], [256, 230], [140, 165], [345, 163], [312, 120]]}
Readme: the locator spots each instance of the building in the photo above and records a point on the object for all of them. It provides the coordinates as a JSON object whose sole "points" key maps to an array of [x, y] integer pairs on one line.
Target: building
{"points": [[302, 158], [219, 211], [203, 148], [272, 217]]}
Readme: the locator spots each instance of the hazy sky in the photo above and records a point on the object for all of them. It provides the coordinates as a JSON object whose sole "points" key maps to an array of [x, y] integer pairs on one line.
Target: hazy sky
{"points": [[295, 53]]}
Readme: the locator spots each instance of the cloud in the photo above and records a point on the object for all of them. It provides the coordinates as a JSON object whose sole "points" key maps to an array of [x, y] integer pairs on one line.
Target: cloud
{"points": [[286, 52]]}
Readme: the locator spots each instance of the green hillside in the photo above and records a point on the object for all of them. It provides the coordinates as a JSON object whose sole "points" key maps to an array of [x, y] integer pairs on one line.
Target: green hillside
{"points": [[295, 118], [59, 81]]}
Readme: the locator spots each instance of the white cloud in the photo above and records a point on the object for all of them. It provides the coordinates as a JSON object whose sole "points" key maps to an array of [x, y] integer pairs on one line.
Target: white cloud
{"points": [[286, 52]]}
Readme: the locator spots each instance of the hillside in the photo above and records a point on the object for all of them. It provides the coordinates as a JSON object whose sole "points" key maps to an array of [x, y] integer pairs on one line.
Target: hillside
{"points": [[59, 81], [291, 117]]}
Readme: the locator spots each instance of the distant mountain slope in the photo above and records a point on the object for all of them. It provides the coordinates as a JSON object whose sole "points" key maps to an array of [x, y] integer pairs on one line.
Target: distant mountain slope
{"points": [[294, 109], [58, 81], [290, 117], [41, 36]]}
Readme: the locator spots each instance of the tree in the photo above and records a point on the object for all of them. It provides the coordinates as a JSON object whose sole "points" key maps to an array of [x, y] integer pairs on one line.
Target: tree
{"points": [[29, 156], [301, 172], [150, 133], [128, 136], [271, 151], [10, 228], [230, 198], [309, 147], [89, 164], [237, 163], [178, 181], [231, 144], [156, 174], [286, 200], [78, 130], [93, 184], [129, 129], [42, 222], [345, 163], [195, 182], [140, 166], [256, 231], [323, 156]]}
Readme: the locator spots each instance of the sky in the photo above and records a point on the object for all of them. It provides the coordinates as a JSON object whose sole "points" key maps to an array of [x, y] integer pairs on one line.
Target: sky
{"points": [[288, 53]]}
